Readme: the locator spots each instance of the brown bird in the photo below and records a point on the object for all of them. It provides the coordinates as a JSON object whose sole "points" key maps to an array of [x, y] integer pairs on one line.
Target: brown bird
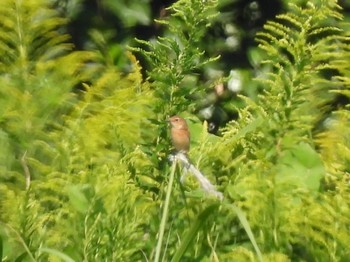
{"points": [[180, 135]]}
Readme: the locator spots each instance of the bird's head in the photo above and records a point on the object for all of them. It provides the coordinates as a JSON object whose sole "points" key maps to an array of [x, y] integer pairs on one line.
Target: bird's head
{"points": [[178, 122]]}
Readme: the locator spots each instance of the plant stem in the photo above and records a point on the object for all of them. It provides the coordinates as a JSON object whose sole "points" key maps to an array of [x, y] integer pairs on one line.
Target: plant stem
{"points": [[165, 211]]}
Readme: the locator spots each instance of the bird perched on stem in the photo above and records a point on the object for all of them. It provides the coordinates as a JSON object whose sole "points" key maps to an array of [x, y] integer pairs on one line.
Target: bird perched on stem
{"points": [[180, 135], [180, 138]]}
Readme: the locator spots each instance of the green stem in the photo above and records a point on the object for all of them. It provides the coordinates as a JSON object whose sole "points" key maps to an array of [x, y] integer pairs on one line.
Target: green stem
{"points": [[165, 212]]}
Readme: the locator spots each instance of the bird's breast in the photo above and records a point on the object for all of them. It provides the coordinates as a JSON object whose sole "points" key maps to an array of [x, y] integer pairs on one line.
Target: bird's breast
{"points": [[180, 139]]}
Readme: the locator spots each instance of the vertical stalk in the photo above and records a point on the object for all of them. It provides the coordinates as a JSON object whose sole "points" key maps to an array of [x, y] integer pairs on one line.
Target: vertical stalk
{"points": [[165, 212]]}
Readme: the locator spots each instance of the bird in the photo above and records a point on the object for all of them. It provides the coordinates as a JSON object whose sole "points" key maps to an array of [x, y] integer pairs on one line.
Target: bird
{"points": [[180, 134], [180, 138]]}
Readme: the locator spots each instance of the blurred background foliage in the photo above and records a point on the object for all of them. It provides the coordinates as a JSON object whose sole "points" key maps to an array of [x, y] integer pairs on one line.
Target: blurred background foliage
{"points": [[111, 26], [86, 87]]}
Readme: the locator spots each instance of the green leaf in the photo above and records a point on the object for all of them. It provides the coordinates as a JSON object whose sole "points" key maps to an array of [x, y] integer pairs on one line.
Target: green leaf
{"points": [[242, 218], [192, 232], [21, 257], [78, 198], [57, 253], [301, 165]]}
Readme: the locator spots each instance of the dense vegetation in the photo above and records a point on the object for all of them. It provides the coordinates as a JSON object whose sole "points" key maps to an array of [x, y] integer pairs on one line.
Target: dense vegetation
{"points": [[84, 142]]}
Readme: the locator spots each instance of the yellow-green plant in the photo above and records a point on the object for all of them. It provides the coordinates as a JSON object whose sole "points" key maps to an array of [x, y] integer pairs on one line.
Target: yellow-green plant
{"points": [[278, 172], [68, 125], [84, 147]]}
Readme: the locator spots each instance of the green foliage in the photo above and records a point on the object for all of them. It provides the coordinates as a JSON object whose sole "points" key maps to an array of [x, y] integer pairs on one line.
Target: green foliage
{"points": [[173, 60], [130, 12], [174, 57], [66, 189], [281, 178], [37, 79], [83, 147]]}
